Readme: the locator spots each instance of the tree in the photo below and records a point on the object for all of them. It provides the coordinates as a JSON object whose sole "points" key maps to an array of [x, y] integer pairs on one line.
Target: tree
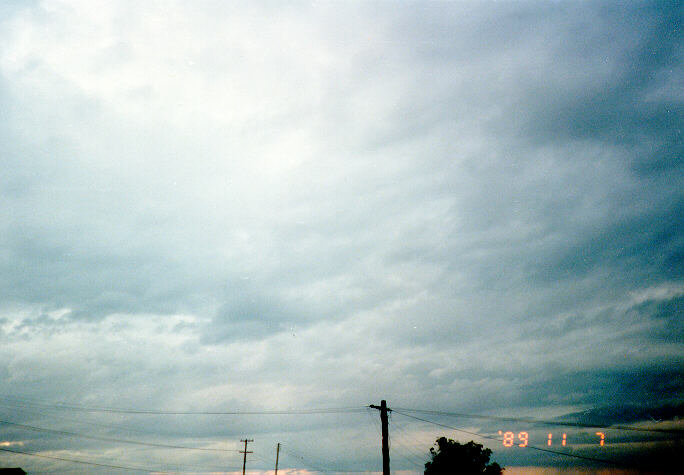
{"points": [[455, 458]]}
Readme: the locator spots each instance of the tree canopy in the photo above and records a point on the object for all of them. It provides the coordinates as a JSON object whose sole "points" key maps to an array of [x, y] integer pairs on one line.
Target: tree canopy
{"points": [[452, 457]]}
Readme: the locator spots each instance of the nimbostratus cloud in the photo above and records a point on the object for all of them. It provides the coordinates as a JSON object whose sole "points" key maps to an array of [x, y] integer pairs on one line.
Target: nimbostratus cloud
{"points": [[470, 207]]}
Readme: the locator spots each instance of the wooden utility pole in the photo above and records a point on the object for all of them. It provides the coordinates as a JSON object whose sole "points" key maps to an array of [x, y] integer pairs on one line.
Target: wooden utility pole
{"points": [[277, 454], [244, 459], [385, 444]]}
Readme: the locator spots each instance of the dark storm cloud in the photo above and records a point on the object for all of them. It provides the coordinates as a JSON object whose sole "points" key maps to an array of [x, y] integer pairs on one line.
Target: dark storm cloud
{"points": [[249, 314]]}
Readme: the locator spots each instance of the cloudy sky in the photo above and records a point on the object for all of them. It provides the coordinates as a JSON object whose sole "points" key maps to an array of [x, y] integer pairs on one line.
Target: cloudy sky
{"points": [[471, 207]]}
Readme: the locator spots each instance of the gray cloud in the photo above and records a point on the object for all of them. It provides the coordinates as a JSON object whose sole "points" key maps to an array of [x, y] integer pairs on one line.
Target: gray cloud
{"points": [[470, 207]]}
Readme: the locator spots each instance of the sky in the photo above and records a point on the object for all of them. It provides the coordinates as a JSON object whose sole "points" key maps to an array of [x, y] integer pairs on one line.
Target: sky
{"points": [[215, 207]]}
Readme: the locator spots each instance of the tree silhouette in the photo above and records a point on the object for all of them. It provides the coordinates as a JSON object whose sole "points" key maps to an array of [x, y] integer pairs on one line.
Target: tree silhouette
{"points": [[455, 458]]}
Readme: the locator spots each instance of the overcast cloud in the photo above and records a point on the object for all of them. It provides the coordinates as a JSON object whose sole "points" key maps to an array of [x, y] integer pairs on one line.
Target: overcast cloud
{"points": [[463, 206]]}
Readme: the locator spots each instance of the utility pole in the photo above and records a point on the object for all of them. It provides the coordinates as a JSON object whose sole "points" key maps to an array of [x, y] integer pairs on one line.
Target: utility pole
{"points": [[385, 444], [277, 454], [244, 459]]}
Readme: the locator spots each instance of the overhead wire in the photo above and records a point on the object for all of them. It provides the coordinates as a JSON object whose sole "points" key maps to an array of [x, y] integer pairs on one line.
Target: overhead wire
{"points": [[407, 450], [263, 458], [330, 410], [593, 459], [48, 412], [65, 459], [138, 444], [541, 422], [112, 439], [306, 461], [29, 404], [101, 464], [410, 447], [374, 418], [392, 440], [113, 410], [315, 465]]}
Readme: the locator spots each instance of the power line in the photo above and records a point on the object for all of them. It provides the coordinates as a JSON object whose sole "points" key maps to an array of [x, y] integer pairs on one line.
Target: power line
{"points": [[411, 446], [112, 410], [331, 410], [263, 458], [292, 453], [394, 440], [27, 404], [543, 422], [593, 459], [64, 459], [112, 439], [446, 426], [315, 465], [50, 413]]}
